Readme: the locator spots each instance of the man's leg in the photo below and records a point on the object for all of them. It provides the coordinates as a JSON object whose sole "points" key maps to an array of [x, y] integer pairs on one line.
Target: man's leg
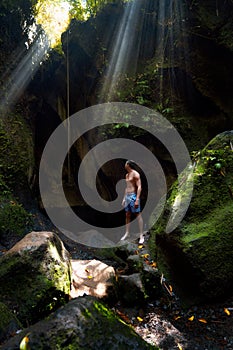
{"points": [[140, 225], [127, 225]]}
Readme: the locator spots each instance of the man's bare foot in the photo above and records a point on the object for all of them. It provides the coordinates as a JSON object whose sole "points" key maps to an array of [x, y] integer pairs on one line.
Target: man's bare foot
{"points": [[141, 240], [126, 235]]}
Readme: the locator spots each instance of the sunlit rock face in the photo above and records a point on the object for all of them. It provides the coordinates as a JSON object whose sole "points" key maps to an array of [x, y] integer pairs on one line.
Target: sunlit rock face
{"points": [[35, 276], [91, 277], [180, 66], [197, 255]]}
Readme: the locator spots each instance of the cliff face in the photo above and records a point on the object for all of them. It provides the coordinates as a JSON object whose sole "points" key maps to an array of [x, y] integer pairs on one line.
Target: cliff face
{"points": [[190, 82]]}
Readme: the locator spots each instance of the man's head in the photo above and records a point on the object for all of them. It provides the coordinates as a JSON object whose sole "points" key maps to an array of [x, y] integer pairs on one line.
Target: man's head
{"points": [[130, 165]]}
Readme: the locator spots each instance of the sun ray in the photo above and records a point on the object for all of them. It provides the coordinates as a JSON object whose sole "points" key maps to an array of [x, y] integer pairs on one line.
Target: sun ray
{"points": [[54, 18]]}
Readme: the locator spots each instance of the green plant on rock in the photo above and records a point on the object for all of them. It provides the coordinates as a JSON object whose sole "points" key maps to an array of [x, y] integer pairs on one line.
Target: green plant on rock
{"points": [[4, 189], [163, 107], [13, 217]]}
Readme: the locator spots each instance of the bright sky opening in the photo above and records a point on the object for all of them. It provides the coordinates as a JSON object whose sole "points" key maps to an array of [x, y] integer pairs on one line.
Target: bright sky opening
{"points": [[54, 18]]}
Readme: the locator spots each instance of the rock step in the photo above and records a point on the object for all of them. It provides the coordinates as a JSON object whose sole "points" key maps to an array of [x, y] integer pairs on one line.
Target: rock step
{"points": [[90, 277]]}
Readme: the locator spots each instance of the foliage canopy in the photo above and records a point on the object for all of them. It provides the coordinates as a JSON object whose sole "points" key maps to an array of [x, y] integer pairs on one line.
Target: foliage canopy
{"points": [[54, 15]]}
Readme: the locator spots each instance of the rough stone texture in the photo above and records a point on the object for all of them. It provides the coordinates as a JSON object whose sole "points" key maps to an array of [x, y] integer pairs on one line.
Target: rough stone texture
{"points": [[35, 276], [151, 280], [8, 322], [131, 290], [197, 255], [134, 263], [91, 277], [83, 323]]}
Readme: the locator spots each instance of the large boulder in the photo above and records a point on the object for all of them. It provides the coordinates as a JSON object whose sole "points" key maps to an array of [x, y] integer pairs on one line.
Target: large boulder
{"points": [[35, 276], [83, 323], [197, 255]]}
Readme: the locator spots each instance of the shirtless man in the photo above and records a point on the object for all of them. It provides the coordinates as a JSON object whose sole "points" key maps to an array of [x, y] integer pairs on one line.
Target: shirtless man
{"points": [[131, 200]]}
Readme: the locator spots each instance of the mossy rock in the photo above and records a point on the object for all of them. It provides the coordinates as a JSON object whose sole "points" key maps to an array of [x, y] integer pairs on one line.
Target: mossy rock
{"points": [[197, 254], [9, 323], [83, 323], [14, 219], [35, 276]]}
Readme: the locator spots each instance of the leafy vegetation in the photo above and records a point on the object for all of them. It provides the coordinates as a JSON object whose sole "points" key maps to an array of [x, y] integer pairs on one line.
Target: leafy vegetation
{"points": [[55, 16], [16, 163], [16, 150], [84, 9], [13, 217]]}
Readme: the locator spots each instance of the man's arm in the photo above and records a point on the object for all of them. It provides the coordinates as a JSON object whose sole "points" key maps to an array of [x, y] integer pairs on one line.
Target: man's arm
{"points": [[139, 189], [123, 201]]}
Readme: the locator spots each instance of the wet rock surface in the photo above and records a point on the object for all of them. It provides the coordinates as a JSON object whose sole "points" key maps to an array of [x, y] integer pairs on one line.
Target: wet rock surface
{"points": [[83, 323], [170, 326]]}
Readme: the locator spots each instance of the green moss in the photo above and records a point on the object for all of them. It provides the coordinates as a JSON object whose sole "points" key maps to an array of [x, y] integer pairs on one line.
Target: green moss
{"points": [[212, 182], [199, 251], [16, 163], [217, 223], [105, 312], [87, 313], [209, 245], [16, 149], [115, 335], [98, 327], [13, 217], [36, 290]]}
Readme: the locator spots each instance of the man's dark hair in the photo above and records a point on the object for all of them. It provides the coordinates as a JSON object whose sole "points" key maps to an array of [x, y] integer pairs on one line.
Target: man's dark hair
{"points": [[132, 164]]}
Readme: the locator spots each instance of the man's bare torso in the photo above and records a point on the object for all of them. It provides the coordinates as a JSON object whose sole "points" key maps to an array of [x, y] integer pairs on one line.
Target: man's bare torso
{"points": [[131, 181]]}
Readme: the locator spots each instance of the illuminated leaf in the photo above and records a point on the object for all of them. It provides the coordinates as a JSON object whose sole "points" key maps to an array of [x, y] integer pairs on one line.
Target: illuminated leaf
{"points": [[145, 256], [24, 344], [170, 288], [139, 319], [167, 288], [202, 320], [123, 316], [140, 246], [177, 318], [191, 318], [227, 311], [90, 277], [153, 264], [179, 347]]}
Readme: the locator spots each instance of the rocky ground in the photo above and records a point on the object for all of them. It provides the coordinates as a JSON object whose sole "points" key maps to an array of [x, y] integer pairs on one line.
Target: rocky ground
{"points": [[170, 327], [163, 322]]}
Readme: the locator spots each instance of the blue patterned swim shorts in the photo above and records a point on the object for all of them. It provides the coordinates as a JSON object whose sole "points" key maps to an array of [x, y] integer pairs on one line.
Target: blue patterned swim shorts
{"points": [[130, 199]]}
